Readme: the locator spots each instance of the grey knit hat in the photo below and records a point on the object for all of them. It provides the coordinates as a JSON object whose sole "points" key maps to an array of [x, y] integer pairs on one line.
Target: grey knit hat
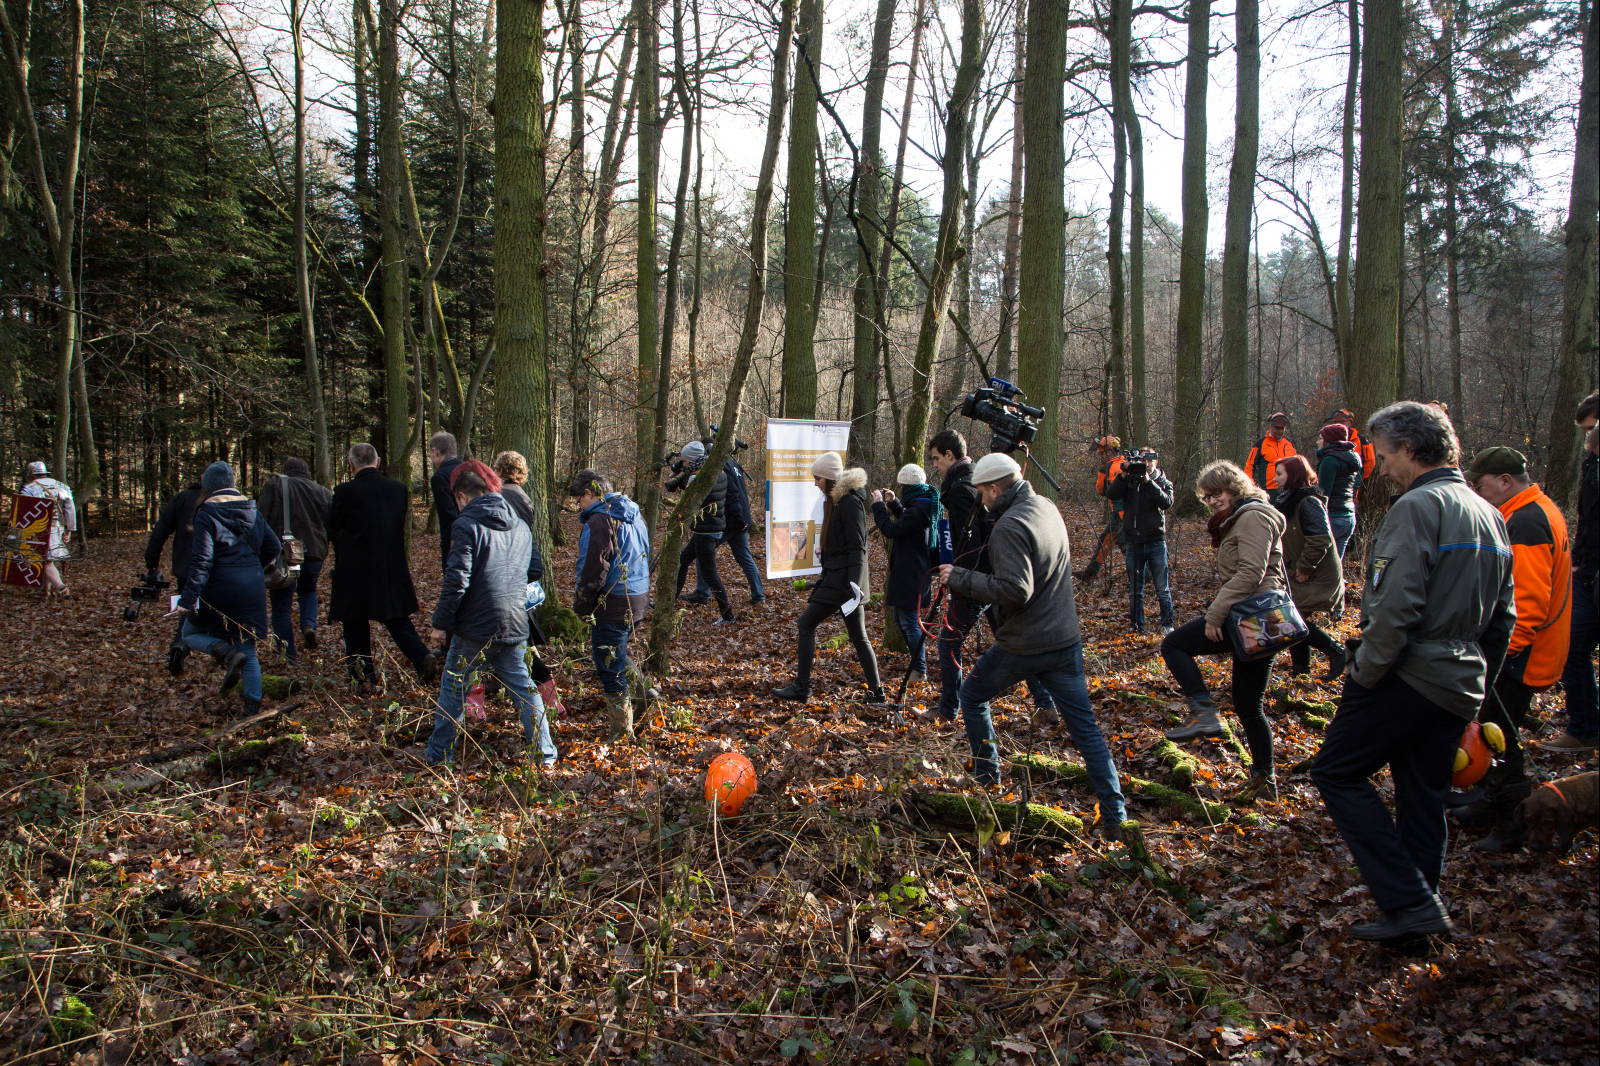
{"points": [[219, 475]]}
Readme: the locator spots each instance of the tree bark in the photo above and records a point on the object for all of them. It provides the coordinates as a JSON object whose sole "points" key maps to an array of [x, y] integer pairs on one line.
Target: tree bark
{"points": [[1139, 417], [800, 226], [1575, 372], [1188, 398], [396, 271], [1453, 13], [1044, 222], [1120, 34], [947, 250], [1375, 310], [1342, 326], [664, 623], [1236, 427], [1013, 253], [302, 268], [645, 257], [869, 245]]}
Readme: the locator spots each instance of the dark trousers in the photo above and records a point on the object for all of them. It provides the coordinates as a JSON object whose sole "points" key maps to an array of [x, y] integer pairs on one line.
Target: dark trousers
{"points": [[1510, 704], [1300, 654], [959, 618], [1577, 678], [854, 624], [1401, 856], [702, 551], [1179, 648], [738, 547], [282, 601], [358, 645], [1148, 559]]}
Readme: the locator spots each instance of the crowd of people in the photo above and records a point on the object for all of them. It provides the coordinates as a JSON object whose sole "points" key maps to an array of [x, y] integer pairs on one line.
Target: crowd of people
{"points": [[1475, 599]]}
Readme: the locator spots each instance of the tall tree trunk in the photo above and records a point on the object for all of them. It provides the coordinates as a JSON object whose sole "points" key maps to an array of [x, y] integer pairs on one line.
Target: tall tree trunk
{"points": [[1043, 227], [1375, 310], [302, 268], [700, 424], [800, 227], [1575, 373], [396, 279], [362, 34], [1140, 417], [869, 245], [936, 304], [1188, 398], [1013, 253], [955, 385], [1347, 198], [1120, 34], [1236, 427], [521, 338], [645, 259], [665, 622], [1453, 14]]}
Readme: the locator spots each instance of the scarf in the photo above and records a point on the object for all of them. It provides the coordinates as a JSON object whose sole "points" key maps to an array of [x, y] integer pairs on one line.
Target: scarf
{"points": [[1214, 526], [935, 510]]}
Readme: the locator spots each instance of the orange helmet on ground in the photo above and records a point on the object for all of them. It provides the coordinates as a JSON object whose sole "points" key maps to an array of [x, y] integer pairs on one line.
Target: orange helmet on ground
{"points": [[1472, 758], [730, 780]]}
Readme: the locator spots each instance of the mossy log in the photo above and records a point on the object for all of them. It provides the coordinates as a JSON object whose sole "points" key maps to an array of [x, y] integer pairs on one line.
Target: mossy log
{"points": [[975, 812], [1181, 763], [1312, 713], [273, 687], [250, 754], [1206, 991], [1060, 769]]}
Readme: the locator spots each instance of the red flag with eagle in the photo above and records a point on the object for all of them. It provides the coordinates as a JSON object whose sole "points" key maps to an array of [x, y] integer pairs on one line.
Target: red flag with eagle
{"points": [[26, 544]]}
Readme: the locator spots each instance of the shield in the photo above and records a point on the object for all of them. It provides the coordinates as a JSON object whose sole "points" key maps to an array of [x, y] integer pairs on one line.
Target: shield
{"points": [[25, 546]]}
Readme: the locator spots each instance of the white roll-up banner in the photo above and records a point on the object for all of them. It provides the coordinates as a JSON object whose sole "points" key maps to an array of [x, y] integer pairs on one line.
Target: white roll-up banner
{"points": [[794, 504]]}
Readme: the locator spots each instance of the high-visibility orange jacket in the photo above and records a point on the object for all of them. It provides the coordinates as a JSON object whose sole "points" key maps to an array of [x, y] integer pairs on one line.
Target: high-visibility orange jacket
{"points": [[1369, 458], [1542, 570], [1262, 466], [1105, 477]]}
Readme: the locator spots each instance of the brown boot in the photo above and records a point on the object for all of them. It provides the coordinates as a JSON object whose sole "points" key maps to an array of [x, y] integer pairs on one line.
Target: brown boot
{"points": [[620, 712]]}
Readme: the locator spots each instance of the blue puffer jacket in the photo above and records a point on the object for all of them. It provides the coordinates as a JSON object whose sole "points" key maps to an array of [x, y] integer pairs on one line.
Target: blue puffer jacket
{"points": [[483, 595], [613, 561], [225, 587], [905, 522]]}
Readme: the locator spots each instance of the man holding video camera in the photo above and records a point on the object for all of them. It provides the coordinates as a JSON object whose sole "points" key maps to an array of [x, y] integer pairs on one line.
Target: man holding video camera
{"points": [[1029, 588], [1145, 495]]}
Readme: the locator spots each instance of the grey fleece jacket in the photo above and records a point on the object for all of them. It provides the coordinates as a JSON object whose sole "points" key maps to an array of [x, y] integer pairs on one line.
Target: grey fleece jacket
{"points": [[1030, 578], [1439, 608]]}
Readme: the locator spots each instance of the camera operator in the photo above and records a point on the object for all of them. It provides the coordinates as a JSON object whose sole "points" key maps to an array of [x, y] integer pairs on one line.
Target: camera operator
{"points": [[1109, 450], [176, 522], [709, 523], [736, 534], [969, 529], [1030, 590], [1145, 494]]}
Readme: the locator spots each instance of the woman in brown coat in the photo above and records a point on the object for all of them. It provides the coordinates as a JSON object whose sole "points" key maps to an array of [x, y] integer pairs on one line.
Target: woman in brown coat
{"points": [[1247, 534], [1316, 576]]}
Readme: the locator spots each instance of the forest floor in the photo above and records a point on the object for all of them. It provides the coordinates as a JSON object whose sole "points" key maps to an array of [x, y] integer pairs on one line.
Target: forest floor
{"points": [[315, 896]]}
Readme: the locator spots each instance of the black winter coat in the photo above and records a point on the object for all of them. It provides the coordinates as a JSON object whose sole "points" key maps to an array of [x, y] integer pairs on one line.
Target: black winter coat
{"points": [[444, 501], [177, 522], [1586, 545], [844, 542], [483, 596], [1144, 505], [713, 514], [906, 526], [1339, 475], [225, 586], [969, 528], [371, 571], [308, 511], [738, 504]]}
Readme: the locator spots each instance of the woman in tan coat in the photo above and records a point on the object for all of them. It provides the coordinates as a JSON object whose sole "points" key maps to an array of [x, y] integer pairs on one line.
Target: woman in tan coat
{"points": [[1316, 576], [1247, 534]]}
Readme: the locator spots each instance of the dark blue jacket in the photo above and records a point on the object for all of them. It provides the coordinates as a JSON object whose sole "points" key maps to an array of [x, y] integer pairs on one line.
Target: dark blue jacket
{"points": [[613, 562], [737, 504], [1339, 475], [906, 522], [483, 596], [225, 587], [444, 501], [177, 522]]}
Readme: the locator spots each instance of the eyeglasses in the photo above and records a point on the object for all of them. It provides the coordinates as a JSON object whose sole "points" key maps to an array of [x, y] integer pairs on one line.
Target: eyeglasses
{"points": [[1209, 496]]}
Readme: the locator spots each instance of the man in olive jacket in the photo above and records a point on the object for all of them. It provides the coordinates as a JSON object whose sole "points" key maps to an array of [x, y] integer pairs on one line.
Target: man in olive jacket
{"points": [[1029, 588], [1436, 617]]}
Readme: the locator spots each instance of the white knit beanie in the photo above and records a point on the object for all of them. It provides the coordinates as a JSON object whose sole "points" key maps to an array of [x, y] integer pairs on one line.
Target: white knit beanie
{"points": [[828, 466], [993, 467], [912, 474]]}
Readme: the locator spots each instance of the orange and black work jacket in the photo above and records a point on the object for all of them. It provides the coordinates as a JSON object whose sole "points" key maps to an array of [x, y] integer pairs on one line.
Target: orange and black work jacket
{"points": [[1262, 466], [1369, 458], [1103, 479], [1542, 569]]}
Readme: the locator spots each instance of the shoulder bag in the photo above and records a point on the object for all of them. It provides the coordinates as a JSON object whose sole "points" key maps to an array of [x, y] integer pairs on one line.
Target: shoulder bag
{"points": [[1262, 625], [284, 571]]}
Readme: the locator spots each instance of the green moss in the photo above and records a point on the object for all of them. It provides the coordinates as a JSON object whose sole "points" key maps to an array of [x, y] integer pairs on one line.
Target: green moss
{"points": [[1133, 839], [893, 639], [273, 687], [834, 643], [50, 723], [1205, 991], [975, 812], [1180, 762], [1061, 769], [74, 1021], [255, 752], [561, 625]]}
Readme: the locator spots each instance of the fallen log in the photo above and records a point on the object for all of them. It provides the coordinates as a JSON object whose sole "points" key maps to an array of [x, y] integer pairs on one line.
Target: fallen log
{"points": [[1062, 770], [249, 754], [977, 812]]}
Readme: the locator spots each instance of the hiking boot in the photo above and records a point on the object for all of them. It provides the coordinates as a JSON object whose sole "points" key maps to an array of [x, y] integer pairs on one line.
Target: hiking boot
{"points": [[1165, 630], [233, 669], [695, 599], [1259, 788], [619, 710], [875, 695], [428, 669], [1568, 742], [916, 677], [177, 651], [1425, 919], [1478, 814], [1202, 720], [797, 690], [1504, 837], [250, 709], [1046, 716], [308, 637], [725, 620], [1336, 665]]}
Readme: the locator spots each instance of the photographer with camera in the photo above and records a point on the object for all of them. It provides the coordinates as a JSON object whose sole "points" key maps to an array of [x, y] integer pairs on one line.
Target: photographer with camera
{"points": [[912, 530], [1146, 495], [308, 521], [224, 598], [706, 530], [736, 532], [177, 523], [1029, 588]]}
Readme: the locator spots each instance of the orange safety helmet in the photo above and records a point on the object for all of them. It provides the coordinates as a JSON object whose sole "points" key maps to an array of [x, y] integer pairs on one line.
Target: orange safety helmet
{"points": [[1108, 443], [730, 780], [1472, 758]]}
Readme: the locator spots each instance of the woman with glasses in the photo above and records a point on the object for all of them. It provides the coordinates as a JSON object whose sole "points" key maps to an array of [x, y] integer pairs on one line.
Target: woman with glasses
{"points": [[1247, 533]]}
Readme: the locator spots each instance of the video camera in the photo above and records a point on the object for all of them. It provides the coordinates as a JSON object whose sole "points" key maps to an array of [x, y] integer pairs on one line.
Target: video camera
{"points": [[150, 589], [1134, 466], [1014, 423], [738, 445]]}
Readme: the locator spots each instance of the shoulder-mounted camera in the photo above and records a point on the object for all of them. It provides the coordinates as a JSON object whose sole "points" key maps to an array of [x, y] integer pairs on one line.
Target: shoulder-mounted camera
{"points": [[1000, 407]]}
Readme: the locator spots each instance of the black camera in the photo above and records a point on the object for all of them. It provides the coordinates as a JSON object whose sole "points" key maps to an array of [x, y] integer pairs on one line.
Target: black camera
{"points": [[1135, 467], [1014, 422], [738, 445], [150, 589]]}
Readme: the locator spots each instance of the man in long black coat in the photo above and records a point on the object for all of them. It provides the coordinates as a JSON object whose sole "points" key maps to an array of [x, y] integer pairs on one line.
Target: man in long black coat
{"points": [[176, 522], [371, 572]]}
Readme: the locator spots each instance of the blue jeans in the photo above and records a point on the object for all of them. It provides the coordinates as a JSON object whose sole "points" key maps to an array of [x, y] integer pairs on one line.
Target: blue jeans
{"points": [[1151, 558], [200, 640], [608, 641], [283, 605], [1062, 673], [1343, 527], [739, 546], [911, 628], [953, 629], [1577, 679], [509, 663]]}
